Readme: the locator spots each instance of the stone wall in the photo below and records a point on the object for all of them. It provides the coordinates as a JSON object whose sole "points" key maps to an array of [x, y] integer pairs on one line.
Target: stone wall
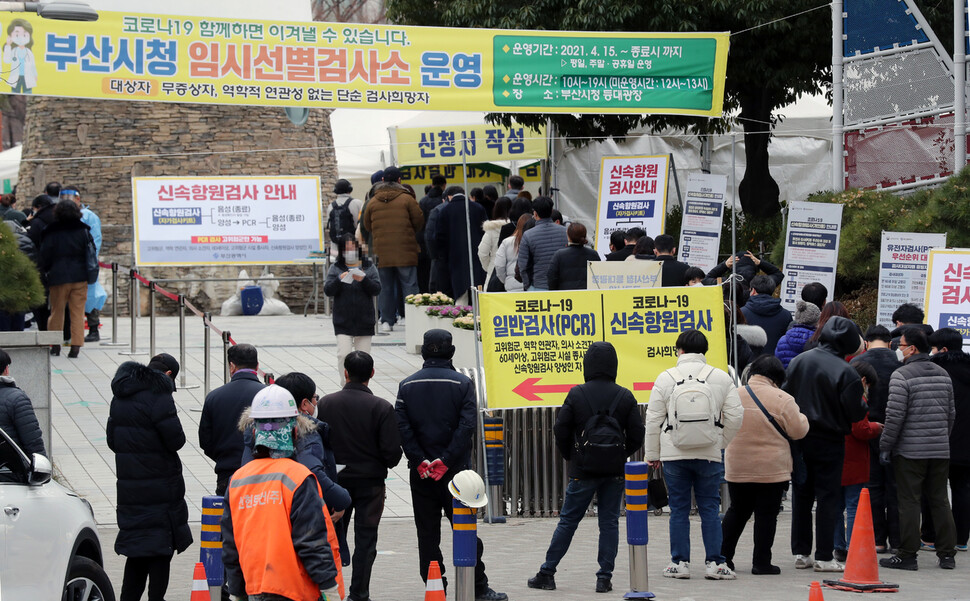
{"points": [[99, 145]]}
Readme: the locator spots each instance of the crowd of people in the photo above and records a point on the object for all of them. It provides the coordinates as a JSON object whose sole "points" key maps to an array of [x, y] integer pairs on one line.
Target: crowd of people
{"points": [[61, 235]]}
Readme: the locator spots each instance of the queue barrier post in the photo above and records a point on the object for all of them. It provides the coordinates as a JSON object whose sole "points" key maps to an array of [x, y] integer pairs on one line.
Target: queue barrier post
{"points": [[151, 319], [205, 353], [225, 357], [637, 477], [114, 309], [182, 354], [465, 549], [210, 545], [133, 311], [495, 464]]}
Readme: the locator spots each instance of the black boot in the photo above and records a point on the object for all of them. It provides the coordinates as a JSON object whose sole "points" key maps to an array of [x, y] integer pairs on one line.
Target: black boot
{"points": [[94, 325], [75, 351], [55, 350]]}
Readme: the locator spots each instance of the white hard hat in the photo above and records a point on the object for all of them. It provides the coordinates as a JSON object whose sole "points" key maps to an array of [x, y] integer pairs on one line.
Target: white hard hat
{"points": [[467, 486], [273, 402]]}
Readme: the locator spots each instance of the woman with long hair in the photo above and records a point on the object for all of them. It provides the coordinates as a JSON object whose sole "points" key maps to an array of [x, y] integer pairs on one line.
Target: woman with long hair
{"points": [[488, 247], [508, 253]]}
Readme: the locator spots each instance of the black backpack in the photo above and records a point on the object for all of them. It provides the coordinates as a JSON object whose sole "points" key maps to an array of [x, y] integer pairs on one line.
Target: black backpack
{"points": [[341, 220], [601, 442]]}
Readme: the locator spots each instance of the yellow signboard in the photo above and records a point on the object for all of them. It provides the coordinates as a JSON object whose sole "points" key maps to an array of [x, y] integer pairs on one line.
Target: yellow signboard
{"points": [[468, 143], [534, 342], [311, 64]]}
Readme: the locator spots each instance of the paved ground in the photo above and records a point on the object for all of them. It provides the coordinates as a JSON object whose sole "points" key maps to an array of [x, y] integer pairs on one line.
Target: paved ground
{"points": [[513, 551]]}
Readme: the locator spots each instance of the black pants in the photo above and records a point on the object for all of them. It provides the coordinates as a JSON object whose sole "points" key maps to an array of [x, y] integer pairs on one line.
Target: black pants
{"points": [[882, 498], [763, 500], [960, 491], [917, 478], [366, 507], [222, 482], [823, 484], [138, 570], [429, 499]]}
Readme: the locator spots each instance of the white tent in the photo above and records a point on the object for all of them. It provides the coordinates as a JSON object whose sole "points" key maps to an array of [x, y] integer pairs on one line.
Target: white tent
{"points": [[10, 168]]}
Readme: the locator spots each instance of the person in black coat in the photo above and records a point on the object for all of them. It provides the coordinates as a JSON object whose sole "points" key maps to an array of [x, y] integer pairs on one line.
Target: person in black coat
{"points": [[452, 242], [145, 434], [63, 260], [42, 217], [353, 300], [599, 394], [219, 435], [673, 272], [620, 249], [17, 417], [567, 271]]}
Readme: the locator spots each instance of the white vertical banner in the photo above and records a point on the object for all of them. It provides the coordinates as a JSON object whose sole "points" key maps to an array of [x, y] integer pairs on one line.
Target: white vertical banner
{"points": [[700, 231], [902, 271], [811, 248], [948, 290], [632, 193]]}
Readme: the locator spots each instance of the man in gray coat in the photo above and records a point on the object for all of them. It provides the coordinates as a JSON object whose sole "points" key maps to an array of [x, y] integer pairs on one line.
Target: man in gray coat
{"points": [[538, 245], [919, 416]]}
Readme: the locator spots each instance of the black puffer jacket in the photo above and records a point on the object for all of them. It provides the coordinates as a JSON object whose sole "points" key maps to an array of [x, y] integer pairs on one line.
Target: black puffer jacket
{"points": [[145, 434], [957, 364], [827, 389], [437, 415], [219, 435], [597, 394], [568, 268], [353, 303], [63, 252], [24, 243], [17, 418], [41, 219]]}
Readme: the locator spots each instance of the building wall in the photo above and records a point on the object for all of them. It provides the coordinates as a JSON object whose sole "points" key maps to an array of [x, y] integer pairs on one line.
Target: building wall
{"points": [[99, 145]]}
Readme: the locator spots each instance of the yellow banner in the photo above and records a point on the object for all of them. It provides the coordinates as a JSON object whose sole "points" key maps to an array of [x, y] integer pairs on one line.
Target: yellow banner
{"points": [[468, 143], [455, 174], [534, 342], [310, 64]]}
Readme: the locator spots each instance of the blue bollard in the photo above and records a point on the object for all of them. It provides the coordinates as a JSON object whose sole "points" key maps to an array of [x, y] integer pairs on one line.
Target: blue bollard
{"points": [[210, 544], [495, 464], [637, 476], [465, 549]]}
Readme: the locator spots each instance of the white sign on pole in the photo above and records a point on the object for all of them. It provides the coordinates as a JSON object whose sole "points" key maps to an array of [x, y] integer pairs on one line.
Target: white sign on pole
{"points": [[902, 271], [632, 193], [618, 275], [948, 290], [700, 231], [811, 248], [235, 220]]}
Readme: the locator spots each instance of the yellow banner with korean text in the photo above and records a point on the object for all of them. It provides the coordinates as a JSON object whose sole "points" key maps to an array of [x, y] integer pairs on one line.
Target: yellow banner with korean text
{"points": [[126, 56], [468, 143], [420, 175], [534, 342]]}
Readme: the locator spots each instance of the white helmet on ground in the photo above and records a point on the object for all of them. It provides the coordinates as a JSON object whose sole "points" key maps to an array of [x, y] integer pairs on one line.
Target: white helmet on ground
{"points": [[469, 488], [273, 402]]}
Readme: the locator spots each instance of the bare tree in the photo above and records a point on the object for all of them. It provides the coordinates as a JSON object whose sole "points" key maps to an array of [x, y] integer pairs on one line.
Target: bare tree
{"points": [[349, 11]]}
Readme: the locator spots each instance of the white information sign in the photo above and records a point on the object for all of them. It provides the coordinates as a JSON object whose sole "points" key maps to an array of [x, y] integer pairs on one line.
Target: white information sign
{"points": [[948, 291], [632, 193], [617, 275], [902, 271], [700, 232], [811, 248], [235, 220]]}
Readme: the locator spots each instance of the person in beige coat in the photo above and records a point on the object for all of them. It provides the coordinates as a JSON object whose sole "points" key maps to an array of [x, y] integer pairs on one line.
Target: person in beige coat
{"points": [[693, 462], [758, 462]]}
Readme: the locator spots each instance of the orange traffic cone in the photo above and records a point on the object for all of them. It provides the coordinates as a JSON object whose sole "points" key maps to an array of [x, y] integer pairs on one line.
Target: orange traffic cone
{"points": [[861, 573], [200, 586], [436, 588], [815, 592]]}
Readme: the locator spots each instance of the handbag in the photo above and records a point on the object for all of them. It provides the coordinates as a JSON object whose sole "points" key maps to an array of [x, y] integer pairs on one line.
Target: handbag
{"points": [[657, 489], [494, 283], [91, 261], [799, 472]]}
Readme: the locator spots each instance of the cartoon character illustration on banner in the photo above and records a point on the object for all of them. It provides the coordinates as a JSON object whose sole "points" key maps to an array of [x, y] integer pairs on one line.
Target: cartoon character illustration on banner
{"points": [[18, 58]]}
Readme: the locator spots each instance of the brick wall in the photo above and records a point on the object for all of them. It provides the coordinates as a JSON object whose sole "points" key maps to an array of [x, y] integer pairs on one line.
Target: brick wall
{"points": [[110, 142]]}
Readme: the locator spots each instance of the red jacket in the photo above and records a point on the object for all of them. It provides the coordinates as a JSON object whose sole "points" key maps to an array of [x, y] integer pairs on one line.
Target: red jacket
{"points": [[855, 468]]}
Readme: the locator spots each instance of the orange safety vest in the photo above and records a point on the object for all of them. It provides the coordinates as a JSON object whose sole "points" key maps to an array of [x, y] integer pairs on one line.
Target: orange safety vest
{"points": [[261, 497], [334, 548]]}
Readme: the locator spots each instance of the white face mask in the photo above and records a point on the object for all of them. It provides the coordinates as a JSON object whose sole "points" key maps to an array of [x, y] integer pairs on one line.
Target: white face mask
{"points": [[350, 256]]}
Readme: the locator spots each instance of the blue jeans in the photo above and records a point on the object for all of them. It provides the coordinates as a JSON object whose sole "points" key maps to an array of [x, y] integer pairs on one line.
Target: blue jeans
{"points": [[396, 283], [704, 478], [850, 503], [579, 494]]}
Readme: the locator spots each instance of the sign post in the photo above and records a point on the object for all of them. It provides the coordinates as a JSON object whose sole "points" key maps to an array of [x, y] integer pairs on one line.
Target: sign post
{"points": [[632, 193], [902, 271], [700, 231], [811, 248], [948, 291]]}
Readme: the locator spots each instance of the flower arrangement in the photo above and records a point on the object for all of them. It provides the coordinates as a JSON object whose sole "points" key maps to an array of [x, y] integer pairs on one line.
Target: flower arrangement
{"points": [[465, 322], [428, 299], [450, 311]]}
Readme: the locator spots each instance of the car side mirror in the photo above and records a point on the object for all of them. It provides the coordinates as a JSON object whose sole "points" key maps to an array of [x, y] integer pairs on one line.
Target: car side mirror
{"points": [[40, 470]]}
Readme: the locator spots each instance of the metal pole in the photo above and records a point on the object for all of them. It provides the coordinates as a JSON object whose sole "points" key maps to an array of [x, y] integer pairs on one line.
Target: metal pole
{"points": [[734, 253], [637, 476], [183, 360], [205, 353], [132, 310], [465, 549], [114, 309], [838, 172], [151, 319], [225, 357], [960, 83]]}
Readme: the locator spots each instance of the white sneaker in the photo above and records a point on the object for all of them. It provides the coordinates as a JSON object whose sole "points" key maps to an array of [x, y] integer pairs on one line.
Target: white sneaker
{"points": [[400, 321], [386, 327], [803, 562], [677, 570], [719, 571], [829, 566]]}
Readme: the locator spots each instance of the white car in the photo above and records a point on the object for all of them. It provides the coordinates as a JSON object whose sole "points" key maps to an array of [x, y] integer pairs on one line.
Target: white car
{"points": [[50, 548]]}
